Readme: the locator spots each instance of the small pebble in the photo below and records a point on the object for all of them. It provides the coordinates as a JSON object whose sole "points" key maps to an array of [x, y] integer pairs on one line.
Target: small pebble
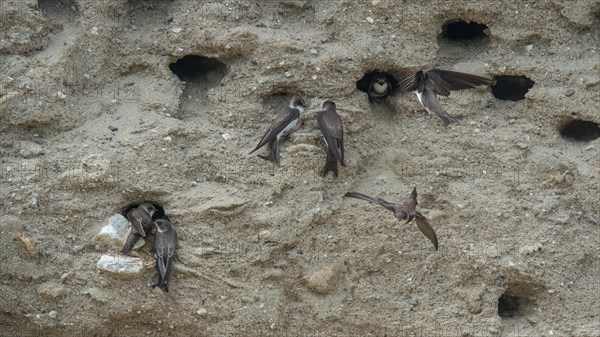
{"points": [[287, 74], [202, 312], [51, 290], [112, 128], [177, 30], [313, 51], [569, 92], [322, 281], [53, 314], [264, 235], [370, 20], [97, 294]]}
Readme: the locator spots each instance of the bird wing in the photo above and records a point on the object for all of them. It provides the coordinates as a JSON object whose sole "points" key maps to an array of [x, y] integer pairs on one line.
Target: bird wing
{"points": [[331, 127], [388, 205], [282, 120], [446, 80], [426, 229], [165, 252], [136, 217], [411, 82]]}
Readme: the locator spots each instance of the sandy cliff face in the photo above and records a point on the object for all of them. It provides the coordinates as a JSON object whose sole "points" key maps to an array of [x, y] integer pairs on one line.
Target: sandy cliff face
{"points": [[94, 119]]}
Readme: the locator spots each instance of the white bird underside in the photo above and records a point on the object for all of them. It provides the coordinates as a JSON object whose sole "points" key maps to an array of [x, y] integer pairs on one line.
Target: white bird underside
{"points": [[380, 89]]}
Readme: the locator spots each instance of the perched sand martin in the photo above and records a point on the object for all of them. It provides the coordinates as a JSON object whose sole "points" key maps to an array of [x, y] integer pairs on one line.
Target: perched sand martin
{"points": [[165, 248], [141, 225], [406, 211], [377, 85], [427, 85], [333, 133], [284, 121]]}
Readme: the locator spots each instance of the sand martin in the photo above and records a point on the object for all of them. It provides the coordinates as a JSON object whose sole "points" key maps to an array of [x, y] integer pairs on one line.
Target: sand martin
{"points": [[406, 211], [165, 248], [141, 225], [377, 85], [333, 133], [427, 85], [284, 121]]}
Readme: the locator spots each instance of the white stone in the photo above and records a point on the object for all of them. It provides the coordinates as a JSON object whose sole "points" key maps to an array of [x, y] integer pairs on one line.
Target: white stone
{"points": [[115, 233], [120, 264]]}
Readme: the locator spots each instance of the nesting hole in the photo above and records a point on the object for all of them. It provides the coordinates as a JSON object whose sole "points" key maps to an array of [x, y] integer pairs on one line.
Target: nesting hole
{"points": [[460, 30], [63, 10], [364, 83], [200, 74], [580, 130], [159, 214], [510, 306], [511, 88], [199, 69], [518, 300]]}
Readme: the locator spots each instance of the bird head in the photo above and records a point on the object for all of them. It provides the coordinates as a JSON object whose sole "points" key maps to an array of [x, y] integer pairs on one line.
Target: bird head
{"points": [[148, 208], [162, 225], [380, 85], [403, 215], [328, 104], [297, 102]]}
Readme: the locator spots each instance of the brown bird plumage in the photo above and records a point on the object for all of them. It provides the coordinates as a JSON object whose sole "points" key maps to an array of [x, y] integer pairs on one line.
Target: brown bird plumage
{"points": [[333, 132], [165, 249], [427, 85], [284, 121], [406, 211], [141, 223]]}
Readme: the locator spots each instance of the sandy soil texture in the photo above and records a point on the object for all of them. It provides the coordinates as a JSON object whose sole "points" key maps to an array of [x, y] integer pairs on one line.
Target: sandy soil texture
{"points": [[94, 118]]}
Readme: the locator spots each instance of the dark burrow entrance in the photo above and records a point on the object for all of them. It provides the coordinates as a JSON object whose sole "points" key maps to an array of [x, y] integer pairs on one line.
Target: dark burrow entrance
{"points": [[366, 82], [460, 30], [509, 306], [579, 130], [511, 88], [199, 69], [200, 74]]}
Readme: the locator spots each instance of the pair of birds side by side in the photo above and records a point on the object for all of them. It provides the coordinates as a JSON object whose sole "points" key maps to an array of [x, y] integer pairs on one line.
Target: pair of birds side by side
{"points": [[165, 241], [329, 122], [426, 85]]}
